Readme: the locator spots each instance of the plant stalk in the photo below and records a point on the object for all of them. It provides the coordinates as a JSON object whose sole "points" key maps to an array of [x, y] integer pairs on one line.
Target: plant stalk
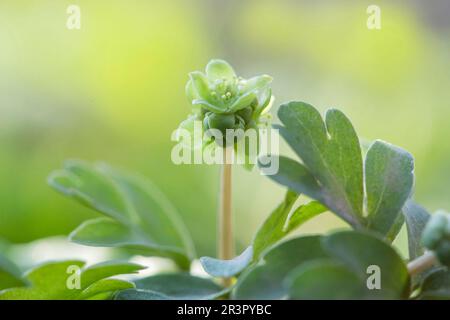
{"points": [[225, 219], [422, 263]]}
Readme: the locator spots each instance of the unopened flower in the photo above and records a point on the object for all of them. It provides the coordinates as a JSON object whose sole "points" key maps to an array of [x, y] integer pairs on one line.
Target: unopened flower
{"points": [[221, 100]]}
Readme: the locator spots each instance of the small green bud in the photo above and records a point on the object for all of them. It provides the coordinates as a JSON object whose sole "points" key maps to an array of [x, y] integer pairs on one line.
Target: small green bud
{"points": [[443, 252], [246, 114], [221, 122], [436, 236]]}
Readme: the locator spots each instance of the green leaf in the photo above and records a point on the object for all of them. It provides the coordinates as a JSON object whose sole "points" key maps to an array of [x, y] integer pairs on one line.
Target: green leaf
{"points": [[10, 275], [359, 250], [105, 286], [324, 279], [436, 285], [389, 179], [104, 232], [265, 280], [272, 229], [296, 177], [179, 286], [281, 222], [416, 218], [139, 294], [58, 281], [395, 228], [97, 272], [302, 214], [330, 153], [80, 181], [159, 218], [138, 214], [227, 268]]}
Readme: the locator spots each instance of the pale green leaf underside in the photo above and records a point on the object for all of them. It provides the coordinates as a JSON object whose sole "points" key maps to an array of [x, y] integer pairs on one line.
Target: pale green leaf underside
{"points": [[227, 268]]}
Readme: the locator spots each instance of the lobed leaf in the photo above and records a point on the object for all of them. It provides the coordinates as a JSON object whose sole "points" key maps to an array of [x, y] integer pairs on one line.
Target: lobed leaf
{"points": [[332, 170], [332, 173]]}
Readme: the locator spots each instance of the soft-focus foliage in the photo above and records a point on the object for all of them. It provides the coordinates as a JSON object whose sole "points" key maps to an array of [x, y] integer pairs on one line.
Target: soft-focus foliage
{"points": [[114, 91]]}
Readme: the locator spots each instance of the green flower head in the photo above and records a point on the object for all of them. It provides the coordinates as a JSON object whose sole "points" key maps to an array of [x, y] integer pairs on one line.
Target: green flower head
{"points": [[222, 100]]}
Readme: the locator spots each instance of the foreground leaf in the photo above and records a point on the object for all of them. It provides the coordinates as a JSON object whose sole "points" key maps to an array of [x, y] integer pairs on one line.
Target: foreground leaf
{"points": [[138, 214], [265, 280], [227, 268], [272, 229], [57, 281], [326, 267], [282, 221], [359, 251], [302, 214], [389, 179], [436, 285], [324, 279], [139, 294], [332, 170], [179, 286]]}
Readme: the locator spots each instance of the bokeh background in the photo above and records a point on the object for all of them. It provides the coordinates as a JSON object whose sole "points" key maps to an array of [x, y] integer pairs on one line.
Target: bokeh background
{"points": [[114, 91]]}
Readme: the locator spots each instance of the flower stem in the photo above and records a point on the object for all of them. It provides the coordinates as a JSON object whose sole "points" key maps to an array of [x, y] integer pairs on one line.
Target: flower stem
{"points": [[225, 221], [422, 263]]}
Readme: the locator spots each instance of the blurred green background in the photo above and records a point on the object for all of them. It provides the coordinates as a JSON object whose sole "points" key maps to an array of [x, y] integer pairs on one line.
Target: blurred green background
{"points": [[114, 91]]}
